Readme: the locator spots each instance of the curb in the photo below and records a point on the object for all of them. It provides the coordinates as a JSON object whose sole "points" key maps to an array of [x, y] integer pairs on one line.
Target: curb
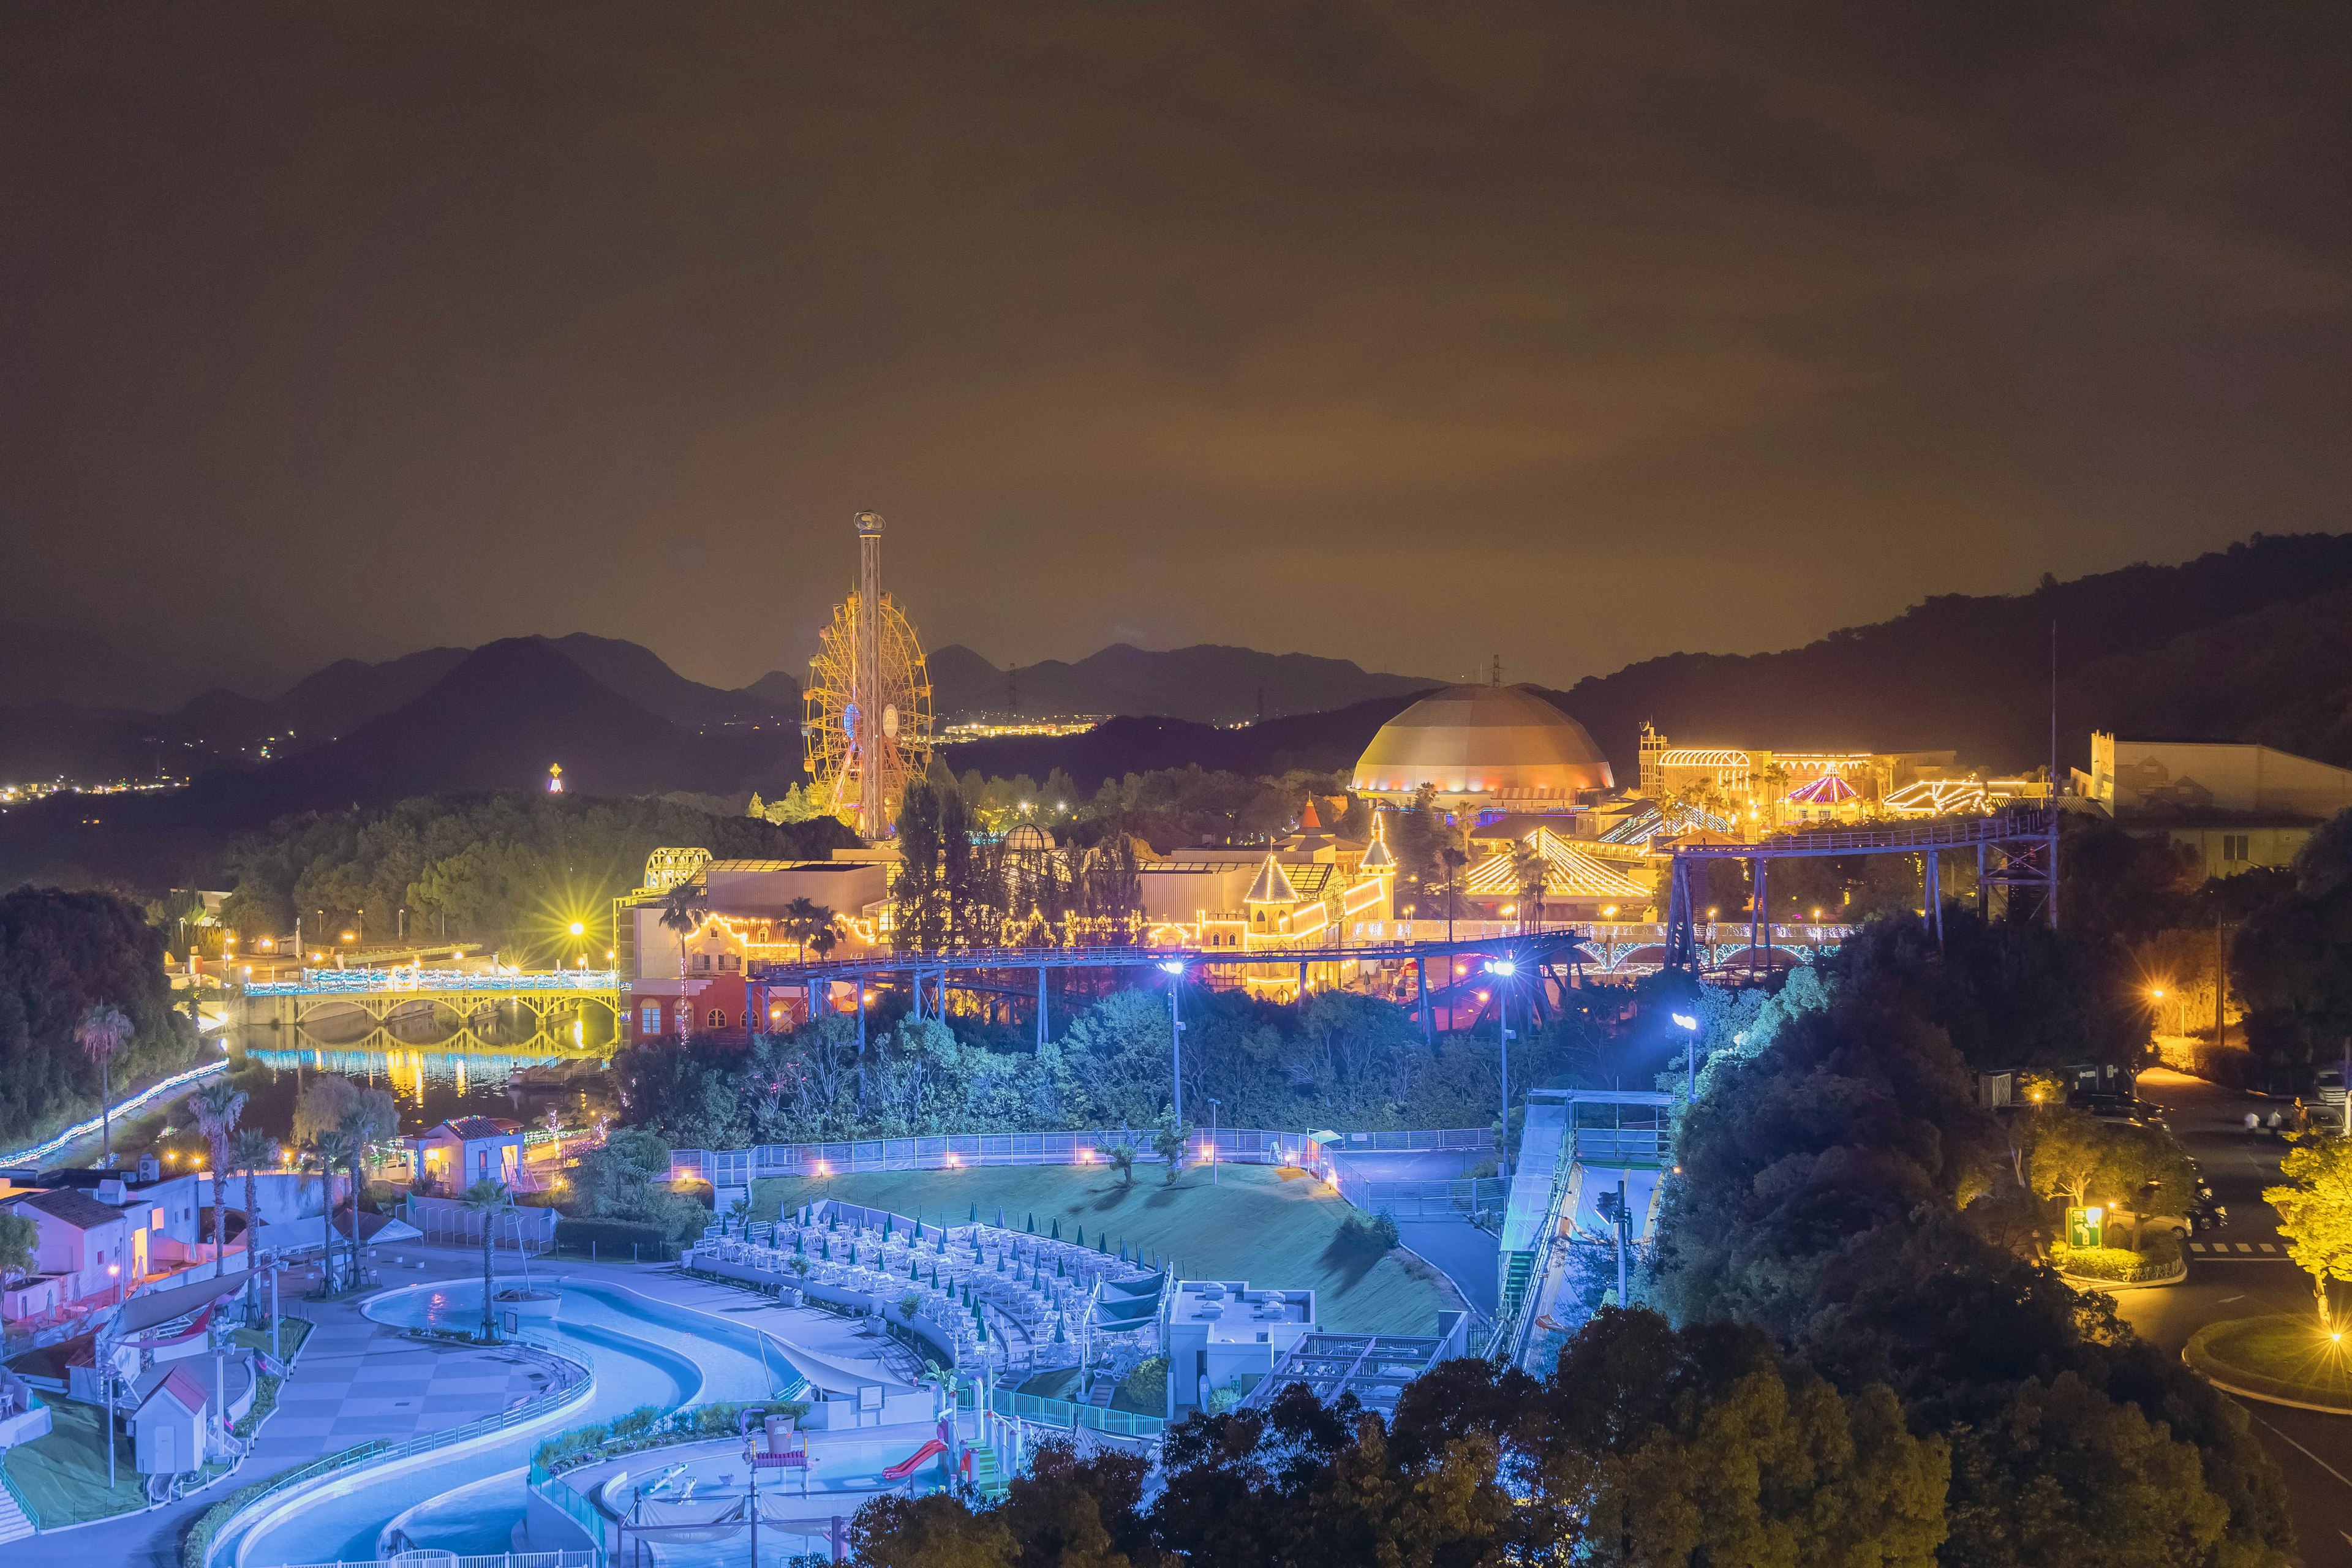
{"points": [[2231, 1388], [2117, 1287]]}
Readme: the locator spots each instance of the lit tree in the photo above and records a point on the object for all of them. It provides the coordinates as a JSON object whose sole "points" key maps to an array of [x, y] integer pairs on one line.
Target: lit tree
{"points": [[682, 910], [103, 1031], [2316, 1213], [217, 1108], [2068, 1152]]}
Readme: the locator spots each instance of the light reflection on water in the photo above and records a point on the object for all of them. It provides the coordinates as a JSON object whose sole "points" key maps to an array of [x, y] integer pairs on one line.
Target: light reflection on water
{"points": [[428, 1085]]}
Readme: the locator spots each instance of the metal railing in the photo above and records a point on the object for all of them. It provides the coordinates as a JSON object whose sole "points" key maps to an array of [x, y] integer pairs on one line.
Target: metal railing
{"points": [[1065, 1413], [565, 1498], [438, 982], [1463, 1198], [1234, 1145], [24, 1504], [376, 1450], [496, 1560]]}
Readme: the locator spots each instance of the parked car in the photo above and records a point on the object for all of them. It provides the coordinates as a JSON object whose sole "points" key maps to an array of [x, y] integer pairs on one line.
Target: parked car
{"points": [[2113, 1104]]}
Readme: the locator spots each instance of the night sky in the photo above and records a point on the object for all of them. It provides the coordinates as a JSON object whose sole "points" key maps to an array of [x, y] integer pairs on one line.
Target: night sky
{"points": [[1403, 334]]}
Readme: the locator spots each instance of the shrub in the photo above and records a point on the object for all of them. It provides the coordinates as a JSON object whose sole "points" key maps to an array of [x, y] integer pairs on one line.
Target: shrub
{"points": [[2158, 1260], [1374, 1233], [1147, 1385], [614, 1237]]}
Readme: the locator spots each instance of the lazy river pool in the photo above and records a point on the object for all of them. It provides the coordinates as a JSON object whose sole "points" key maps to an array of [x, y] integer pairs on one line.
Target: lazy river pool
{"points": [[469, 1500]]}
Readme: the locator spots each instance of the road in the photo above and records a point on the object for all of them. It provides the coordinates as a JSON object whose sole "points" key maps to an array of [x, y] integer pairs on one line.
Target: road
{"points": [[2314, 1450]]}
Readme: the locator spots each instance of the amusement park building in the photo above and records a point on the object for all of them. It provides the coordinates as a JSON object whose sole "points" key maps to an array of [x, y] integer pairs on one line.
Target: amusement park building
{"points": [[1484, 748], [2236, 806]]}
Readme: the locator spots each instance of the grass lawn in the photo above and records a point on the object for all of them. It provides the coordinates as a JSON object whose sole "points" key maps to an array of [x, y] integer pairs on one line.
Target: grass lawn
{"points": [[2285, 1356], [63, 1474], [1274, 1228]]}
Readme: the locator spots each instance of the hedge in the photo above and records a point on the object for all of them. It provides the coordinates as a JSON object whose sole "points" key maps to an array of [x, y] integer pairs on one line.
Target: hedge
{"points": [[2160, 1260], [615, 1237], [635, 1429]]}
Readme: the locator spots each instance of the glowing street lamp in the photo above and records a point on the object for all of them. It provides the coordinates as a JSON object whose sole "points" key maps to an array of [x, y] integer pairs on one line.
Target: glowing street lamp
{"points": [[1689, 1026]]}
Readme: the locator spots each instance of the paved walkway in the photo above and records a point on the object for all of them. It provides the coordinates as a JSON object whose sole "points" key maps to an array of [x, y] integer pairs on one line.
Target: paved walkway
{"points": [[357, 1379], [354, 1380]]}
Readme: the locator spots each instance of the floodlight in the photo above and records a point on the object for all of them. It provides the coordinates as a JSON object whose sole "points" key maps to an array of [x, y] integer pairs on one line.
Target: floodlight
{"points": [[1683, 1020], [1504, 967], [1172, 965]]}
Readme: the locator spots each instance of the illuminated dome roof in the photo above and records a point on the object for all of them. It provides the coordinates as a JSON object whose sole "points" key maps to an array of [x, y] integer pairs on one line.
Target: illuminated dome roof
{"points": [[1483, 740]]}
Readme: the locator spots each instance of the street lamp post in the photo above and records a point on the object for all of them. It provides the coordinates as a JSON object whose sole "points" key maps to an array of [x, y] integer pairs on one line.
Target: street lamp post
{"points": [[1503, 969], [1175, 969], [1213, 1103], [1689, 1026]]}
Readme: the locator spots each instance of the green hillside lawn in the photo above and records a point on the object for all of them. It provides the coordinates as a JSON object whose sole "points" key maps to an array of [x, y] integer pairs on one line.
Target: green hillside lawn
{"points": [[1275, 1228]]}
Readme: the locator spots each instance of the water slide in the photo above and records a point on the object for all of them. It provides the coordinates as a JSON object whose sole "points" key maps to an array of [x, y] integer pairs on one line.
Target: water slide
{"points": [[914, 1462]]}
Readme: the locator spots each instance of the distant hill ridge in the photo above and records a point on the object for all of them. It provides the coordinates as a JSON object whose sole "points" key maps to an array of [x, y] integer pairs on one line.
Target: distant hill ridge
{"points": [[1972, 672], [1207, 683]]}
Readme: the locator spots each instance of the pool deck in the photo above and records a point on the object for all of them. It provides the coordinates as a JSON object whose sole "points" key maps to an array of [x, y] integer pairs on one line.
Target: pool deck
{"points": [[357, 1379]]}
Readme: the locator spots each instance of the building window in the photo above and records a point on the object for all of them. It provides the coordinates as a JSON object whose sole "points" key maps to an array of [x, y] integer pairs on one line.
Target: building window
{"points": [[728, 963], [717, 1020], [2234, 848], [701, 963], [649, 1023]]}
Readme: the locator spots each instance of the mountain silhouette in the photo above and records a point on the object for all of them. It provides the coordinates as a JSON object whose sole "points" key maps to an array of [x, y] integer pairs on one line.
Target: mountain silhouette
{"points": [[1207, 683]]}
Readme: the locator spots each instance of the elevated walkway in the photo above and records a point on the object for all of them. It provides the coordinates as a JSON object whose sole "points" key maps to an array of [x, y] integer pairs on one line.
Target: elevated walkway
{"points": [[1577, 1149]]}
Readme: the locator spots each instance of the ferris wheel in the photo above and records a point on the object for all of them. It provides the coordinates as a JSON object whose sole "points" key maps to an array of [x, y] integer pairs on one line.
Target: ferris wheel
{"points": [[864, 791]]}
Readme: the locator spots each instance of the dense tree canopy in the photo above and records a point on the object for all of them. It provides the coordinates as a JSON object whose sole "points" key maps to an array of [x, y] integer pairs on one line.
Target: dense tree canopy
{"points": [[61, 953], [1334, 1058], [515, 870]]}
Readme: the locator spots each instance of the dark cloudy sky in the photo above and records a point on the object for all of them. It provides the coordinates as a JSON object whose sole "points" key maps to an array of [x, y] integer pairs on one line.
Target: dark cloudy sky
{"points": [[1403, 333]]}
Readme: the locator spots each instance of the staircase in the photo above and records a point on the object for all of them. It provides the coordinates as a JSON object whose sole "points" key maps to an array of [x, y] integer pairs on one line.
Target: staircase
{"points": [[986, 1480], [1518, 1267], [1099, 1391], [13, 1525]]}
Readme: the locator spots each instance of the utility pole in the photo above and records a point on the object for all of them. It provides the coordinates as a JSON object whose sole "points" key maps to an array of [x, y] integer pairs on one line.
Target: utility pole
{"points": [[1212, 1139]]}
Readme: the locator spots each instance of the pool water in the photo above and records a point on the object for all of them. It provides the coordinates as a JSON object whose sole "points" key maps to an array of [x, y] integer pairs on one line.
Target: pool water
{"points": [[470, 1503]]}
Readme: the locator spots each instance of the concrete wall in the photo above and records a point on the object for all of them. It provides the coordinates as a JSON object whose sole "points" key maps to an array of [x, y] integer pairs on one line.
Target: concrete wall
{"points": [[282, 1195]]}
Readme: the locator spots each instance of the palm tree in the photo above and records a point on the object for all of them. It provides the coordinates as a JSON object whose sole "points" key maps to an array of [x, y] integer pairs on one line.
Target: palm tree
{"points": [[1527, 869], [329, 1149], [803, 917], [217, 1108], [252, 1151], [103, 1031], [361, 1128], [488, 1198], [683, 912]]}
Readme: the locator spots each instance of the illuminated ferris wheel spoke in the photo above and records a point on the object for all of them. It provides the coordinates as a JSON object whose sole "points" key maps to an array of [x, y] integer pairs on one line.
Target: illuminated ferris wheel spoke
{"points": [[868, 719]]}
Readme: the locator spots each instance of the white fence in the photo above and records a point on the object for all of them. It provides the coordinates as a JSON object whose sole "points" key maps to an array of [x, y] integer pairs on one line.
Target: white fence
{"points": [[448, 1222], [1234, 1145]]}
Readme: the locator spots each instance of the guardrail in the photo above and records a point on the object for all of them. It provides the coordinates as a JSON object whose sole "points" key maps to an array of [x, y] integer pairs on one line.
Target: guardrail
{"points": [[377, 1450]]}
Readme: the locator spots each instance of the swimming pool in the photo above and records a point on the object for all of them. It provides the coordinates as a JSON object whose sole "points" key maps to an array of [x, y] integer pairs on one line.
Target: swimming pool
{"points": [[470, 1502]]}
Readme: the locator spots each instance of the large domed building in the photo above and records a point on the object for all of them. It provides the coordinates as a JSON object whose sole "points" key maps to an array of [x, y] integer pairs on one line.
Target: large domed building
{"points": [[1484, 748]]}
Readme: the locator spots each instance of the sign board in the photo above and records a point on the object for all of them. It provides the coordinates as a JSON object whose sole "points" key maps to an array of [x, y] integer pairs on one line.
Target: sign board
{"points": [[2086, 1227]]}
